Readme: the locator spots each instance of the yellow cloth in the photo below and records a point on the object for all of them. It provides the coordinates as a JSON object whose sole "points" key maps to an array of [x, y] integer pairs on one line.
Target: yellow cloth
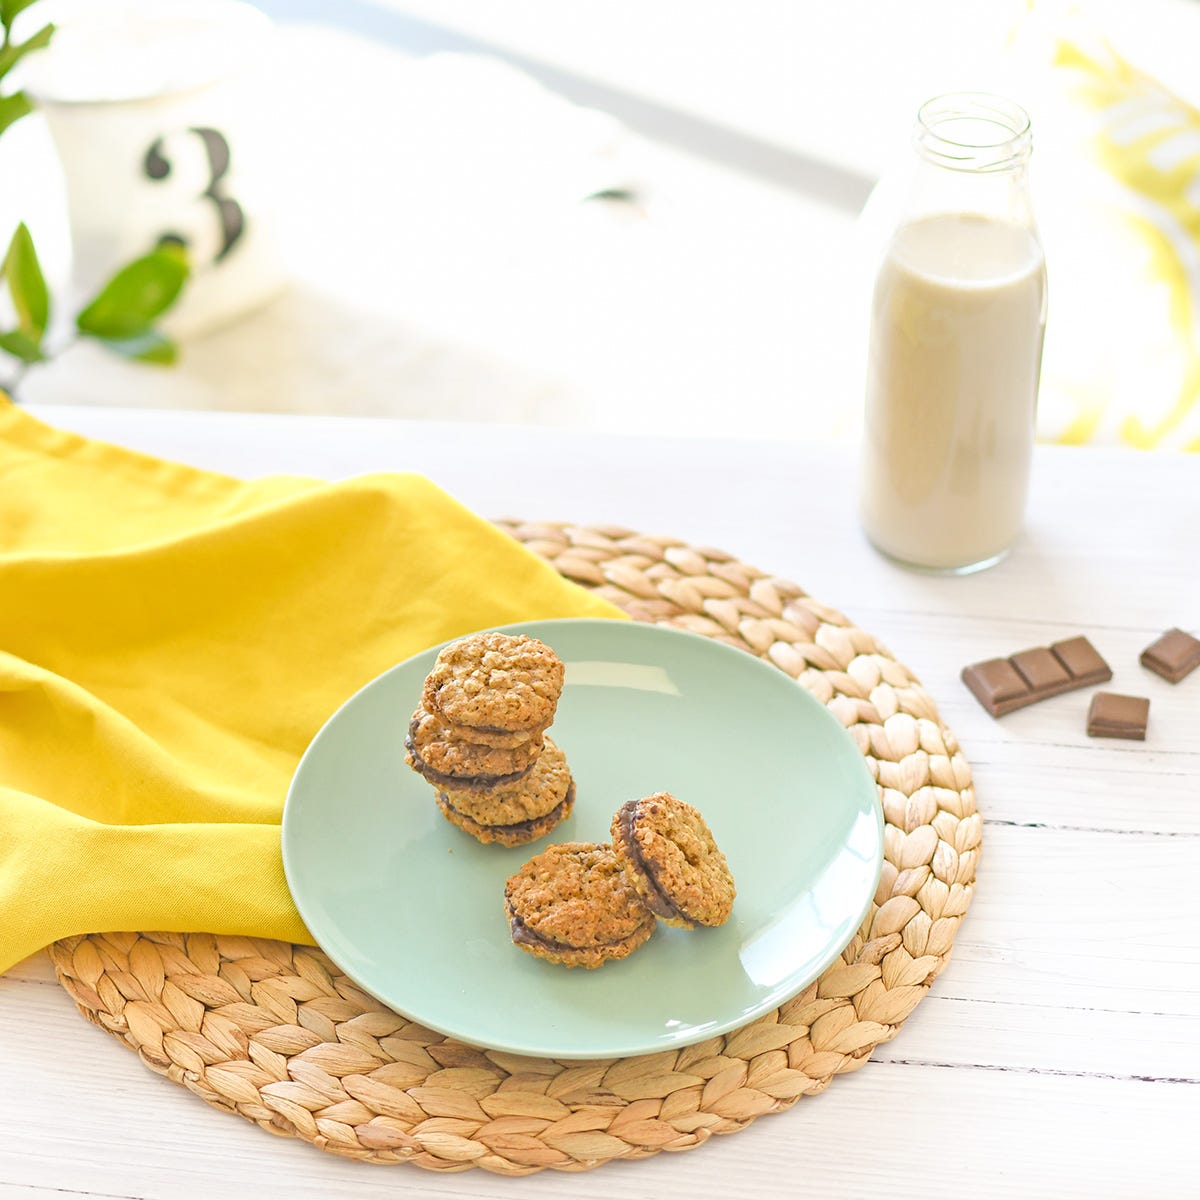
{"points": [[172, 639], [1116, 189], [1147, 140]]}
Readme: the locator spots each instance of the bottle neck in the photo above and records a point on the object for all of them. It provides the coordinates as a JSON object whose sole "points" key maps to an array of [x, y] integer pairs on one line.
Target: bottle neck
{"points": [[972, 154], [973, 133], [1003, 195]]}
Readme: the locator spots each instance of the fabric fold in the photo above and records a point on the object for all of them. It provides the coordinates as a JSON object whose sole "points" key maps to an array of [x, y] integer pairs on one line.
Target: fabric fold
{"points": [[171, 640]]}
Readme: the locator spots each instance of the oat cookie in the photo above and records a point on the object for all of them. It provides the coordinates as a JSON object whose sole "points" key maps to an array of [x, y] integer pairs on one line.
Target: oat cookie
{"points": [[532, 796], [573, 905], [671, 858], [495, 686], [498, 739], [516, 833], [448, 762]]}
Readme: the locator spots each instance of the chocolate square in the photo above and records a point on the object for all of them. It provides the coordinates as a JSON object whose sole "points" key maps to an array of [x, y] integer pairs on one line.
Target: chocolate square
{"points": [[994, 682], [1117, 716], [997, 678], [1173, 655], [1082, 660], [1040, 669]]}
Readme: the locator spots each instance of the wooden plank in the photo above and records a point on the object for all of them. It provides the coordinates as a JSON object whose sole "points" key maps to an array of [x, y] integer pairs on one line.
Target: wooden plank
{"points": [[1080, 919], [1010, 1035], [18, 1191], [982, 1133], [1005, 1133]]}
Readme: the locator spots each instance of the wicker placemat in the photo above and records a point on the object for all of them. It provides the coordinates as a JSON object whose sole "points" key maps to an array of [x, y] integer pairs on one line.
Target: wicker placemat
{"points": [[275, 1033]]}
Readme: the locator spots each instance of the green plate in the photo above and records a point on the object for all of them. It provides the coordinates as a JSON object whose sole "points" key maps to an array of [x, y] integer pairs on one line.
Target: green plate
{"points": [[413, 909]]}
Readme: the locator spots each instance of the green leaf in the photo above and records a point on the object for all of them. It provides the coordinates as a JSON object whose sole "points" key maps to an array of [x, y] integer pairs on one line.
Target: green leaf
{"points": [[149, 347], [21, 345], [13, 108], [10, 8], [129, 303], [12, 54], [26, 284]]}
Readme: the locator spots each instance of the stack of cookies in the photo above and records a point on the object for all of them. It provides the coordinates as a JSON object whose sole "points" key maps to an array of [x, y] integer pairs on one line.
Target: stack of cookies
{"points": [[582, 904], [479, 737]]}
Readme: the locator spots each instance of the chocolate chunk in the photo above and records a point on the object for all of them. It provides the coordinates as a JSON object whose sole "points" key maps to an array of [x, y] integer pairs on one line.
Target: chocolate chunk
{"points": [[1040, 669], [1116, 716], [1003, 685], [1173, 656], [1079, 656], [995, 683]]}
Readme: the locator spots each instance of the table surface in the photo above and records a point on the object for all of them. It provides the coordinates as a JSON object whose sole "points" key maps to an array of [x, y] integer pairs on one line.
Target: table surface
{"points": [[1057, 1056]]}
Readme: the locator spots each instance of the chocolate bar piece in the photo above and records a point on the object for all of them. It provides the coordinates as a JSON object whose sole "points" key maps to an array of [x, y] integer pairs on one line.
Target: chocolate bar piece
{"points": [[1002, 685], [1116, 716], [1173, 656]]}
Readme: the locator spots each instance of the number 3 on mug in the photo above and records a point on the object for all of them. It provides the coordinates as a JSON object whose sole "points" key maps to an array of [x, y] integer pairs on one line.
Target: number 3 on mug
{"points": [[230, 217]]}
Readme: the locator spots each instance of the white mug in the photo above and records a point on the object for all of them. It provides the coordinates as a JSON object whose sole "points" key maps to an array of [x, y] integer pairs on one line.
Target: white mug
{"points": [[148, 105]]}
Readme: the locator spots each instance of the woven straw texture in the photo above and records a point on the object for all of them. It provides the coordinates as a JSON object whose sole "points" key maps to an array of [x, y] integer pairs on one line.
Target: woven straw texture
{"points": [[276, 1033]]}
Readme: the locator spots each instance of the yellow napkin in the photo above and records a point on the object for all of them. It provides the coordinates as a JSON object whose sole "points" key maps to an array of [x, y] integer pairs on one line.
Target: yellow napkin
{"points": [[1144, 139], [170, 642]]}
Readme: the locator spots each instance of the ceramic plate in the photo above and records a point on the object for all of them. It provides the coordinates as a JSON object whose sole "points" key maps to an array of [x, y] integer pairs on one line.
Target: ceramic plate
{"points": [[413, 909]]}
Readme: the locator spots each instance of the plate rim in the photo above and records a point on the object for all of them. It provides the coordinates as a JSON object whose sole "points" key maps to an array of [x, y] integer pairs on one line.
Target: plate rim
{"points": [[677, 1040]]}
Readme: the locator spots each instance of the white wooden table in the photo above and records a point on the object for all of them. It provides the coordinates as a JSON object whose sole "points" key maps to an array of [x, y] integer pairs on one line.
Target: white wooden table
{"points": [[1059, 1054]]}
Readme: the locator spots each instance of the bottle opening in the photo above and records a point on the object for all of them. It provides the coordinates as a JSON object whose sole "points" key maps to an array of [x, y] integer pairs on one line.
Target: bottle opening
{"points": [[974, 131]]}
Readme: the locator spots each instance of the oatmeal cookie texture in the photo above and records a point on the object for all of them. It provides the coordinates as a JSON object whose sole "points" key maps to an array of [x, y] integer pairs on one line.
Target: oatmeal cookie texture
{"points": [[671, 857], [493, 687], [515, 833], [529, 798], [478, 736], [572, 904], [436, 749]]}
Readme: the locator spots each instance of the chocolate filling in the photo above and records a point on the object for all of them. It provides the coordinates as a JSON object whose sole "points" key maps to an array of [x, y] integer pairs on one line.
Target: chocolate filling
{"points": [[531, 732], [522, 935], [657, 902], [474, 782], [518, 827]]}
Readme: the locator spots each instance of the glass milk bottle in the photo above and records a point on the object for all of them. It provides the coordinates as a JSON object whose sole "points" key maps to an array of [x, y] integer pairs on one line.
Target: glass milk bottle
{"points": [[957, 320]]}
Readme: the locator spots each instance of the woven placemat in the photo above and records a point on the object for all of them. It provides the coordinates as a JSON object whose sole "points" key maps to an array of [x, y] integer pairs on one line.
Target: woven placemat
{"points": [[275, 1033]]}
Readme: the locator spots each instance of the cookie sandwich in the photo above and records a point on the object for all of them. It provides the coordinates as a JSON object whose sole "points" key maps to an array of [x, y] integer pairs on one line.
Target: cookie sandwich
{"points": [[514, 814], [495, 689], [672, 860], [573, 905]]}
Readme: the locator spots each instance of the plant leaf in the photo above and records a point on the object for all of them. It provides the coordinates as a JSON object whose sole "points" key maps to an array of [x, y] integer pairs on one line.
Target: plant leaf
{"points": [[21, 345], [13, 108], [129, 303], [10, 8], [149, 347], [26, 284], [12, 54]]}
